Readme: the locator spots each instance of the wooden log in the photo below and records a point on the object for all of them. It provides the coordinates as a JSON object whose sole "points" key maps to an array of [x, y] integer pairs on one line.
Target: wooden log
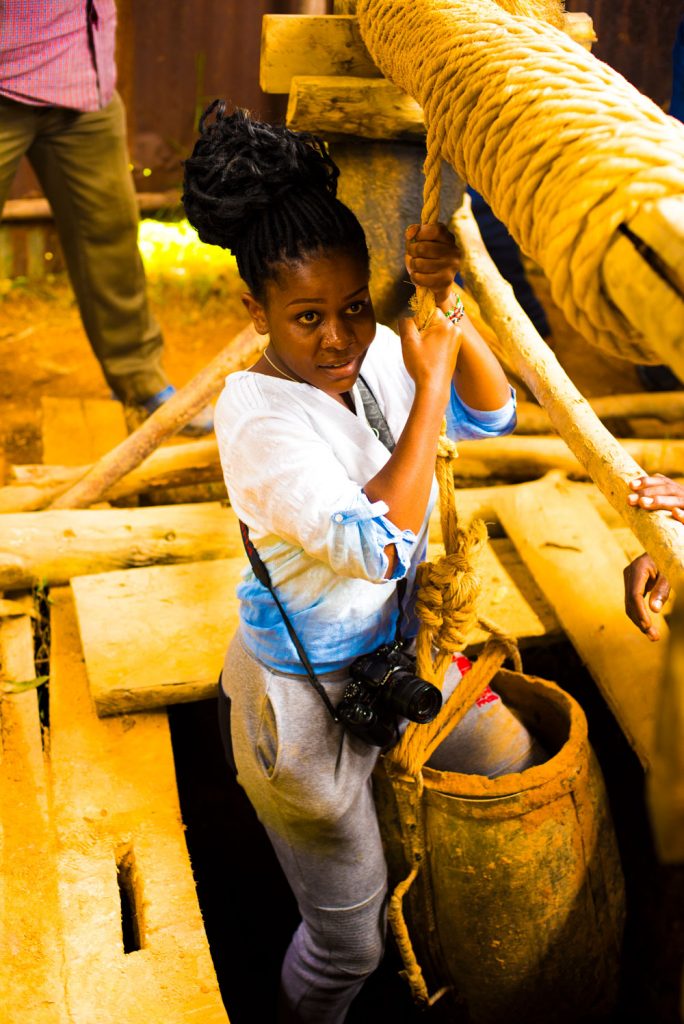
{"points": [[174, 465], [662, 406], [241, 352], [293, 44], [605, 460], [665, 783], [508, 458], [119, 828], [577, 563], [50, 548], [525, 458], [30, 918], [371, 108], [307, 45]]}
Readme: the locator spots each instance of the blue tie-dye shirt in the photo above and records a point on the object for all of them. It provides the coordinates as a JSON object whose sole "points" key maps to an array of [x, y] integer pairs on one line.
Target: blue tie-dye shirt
{"points": [[295, 462]]}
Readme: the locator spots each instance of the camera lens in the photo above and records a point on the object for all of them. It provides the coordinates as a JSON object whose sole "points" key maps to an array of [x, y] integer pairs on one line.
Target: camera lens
{"points": [[414, 698]]}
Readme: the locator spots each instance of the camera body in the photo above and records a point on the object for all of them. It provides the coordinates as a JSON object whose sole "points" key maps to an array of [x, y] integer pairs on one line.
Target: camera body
{"points": [[384, 687]]}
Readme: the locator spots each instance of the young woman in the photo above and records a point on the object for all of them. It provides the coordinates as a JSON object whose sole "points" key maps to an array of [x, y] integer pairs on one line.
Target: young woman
{"points": [[338, 513]]}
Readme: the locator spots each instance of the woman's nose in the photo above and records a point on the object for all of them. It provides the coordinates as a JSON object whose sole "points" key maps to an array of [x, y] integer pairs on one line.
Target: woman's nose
{"points": [[336, 335]]}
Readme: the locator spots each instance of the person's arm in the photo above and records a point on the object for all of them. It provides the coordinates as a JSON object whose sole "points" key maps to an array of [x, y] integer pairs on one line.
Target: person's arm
{"points": [[405, 481], [432, 261], [641, 577]]}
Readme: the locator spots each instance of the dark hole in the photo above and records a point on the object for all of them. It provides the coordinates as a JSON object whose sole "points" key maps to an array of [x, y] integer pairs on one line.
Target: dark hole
{"points": [[130, 922]]}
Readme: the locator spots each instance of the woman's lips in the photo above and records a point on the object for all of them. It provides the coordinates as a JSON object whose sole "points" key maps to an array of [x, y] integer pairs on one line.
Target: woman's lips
{"points": [[339, 370]]}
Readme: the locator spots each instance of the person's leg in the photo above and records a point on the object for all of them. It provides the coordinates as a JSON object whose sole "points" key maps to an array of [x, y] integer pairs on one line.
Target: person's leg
{"points": [[18, 124], [81, 160], [310, 784]]}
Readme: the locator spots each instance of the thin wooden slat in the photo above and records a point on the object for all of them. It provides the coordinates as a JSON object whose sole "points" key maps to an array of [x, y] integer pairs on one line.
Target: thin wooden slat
{"points": [[31, 984], [78, 430], [578, 563], [116, 806]]}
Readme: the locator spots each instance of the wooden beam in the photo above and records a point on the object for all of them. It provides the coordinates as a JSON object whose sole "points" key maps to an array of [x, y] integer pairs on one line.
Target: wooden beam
{"points": [[578, 565], [502, 459], [293, 44], [662, 406], [370, 108], [605, 460]]}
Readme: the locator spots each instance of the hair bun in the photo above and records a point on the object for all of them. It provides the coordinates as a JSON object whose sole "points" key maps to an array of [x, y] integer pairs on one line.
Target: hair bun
{"points": [[240, 167]]}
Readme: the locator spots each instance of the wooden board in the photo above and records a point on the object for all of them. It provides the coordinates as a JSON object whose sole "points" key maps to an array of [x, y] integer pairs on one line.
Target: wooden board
{"points": [[117, 818], [301, 44], [158, 636], [578, 563], [370, 108], [31, 985], [77, 431]]}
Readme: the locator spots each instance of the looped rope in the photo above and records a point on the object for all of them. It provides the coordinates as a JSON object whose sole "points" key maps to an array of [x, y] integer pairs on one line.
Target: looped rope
{"points": [[562, 147]]}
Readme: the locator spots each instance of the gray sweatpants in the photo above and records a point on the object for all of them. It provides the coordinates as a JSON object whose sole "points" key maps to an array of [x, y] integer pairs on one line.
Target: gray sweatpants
{"points": [[310, 784]]}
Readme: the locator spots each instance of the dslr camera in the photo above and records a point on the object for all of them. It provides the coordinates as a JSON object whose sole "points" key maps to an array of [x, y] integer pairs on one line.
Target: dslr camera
{"points": [[384, 686]]}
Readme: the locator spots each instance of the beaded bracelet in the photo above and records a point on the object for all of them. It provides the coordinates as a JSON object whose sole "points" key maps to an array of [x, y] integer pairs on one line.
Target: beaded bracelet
{"points": [[457, 312]]}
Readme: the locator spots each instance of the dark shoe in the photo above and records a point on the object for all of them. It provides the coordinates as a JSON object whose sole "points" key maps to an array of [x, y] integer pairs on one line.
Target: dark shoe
{"points": [[200, 424]]}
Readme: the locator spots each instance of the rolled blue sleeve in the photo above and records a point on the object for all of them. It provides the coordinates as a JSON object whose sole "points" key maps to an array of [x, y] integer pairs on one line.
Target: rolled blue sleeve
{"points": [[465, 423], [359, 536]]}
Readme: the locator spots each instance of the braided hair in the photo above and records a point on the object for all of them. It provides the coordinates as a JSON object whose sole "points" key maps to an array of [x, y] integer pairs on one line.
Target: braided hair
{"points": [[266, 193]]}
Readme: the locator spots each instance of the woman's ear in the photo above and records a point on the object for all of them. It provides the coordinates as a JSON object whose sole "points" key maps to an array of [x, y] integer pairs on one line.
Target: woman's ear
{"points": [[256, 311]]}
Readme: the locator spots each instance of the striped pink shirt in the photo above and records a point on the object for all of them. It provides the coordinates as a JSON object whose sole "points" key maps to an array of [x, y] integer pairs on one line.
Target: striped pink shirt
{"points": [[58, 53]]}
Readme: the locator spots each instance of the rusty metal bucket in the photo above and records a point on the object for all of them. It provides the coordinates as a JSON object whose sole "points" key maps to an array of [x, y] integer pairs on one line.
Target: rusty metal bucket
{"points": [[511, 888]]}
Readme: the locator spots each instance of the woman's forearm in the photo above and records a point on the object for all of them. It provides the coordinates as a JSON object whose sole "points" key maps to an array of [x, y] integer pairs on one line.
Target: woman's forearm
{"points": [[405, 481], [479, 380]]}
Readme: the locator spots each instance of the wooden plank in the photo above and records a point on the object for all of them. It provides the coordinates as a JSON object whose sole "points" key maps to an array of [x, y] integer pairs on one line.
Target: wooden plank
{"points": [[31, 985], [294, 44], [371, 108], [77, 431], [578, 564], [179, 619], [118, 821]]}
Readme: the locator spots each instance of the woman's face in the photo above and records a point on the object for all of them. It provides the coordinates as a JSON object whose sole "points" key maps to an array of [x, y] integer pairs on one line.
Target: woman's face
{"points": [[320, 319]]}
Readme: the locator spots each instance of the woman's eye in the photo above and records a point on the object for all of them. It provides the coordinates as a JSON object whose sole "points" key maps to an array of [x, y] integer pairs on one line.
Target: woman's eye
{"points": [[309, 317], [356, 308]]}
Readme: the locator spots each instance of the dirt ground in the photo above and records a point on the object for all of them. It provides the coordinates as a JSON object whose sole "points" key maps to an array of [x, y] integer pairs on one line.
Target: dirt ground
{"points": [[44, 350]]}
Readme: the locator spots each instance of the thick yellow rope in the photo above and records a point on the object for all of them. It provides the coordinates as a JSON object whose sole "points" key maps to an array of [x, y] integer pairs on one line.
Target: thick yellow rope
{"points": [[560, 145]]}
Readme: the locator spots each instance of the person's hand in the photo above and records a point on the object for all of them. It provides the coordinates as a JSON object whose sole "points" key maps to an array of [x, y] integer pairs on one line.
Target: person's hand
{"points": [[642, 578], [432, 259], [658, 492], [430, 357]]}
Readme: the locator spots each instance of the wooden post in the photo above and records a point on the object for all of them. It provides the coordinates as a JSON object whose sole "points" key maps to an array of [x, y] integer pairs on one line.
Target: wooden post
{"points": [[606, 461]]}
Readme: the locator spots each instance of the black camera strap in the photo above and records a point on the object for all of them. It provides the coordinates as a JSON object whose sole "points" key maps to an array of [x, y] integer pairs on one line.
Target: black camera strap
{"points": [[380, 428]]}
